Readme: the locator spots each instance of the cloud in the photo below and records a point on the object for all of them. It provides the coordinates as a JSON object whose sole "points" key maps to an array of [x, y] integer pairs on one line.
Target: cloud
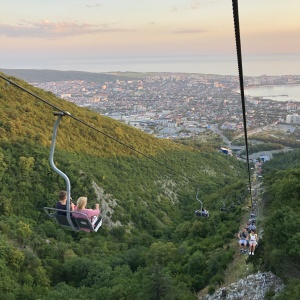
{"points": [[184, 31], [93, 5], [195, 4], [47, 29]]}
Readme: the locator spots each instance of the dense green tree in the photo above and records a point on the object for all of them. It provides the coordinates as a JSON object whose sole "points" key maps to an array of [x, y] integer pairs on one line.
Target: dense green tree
{"points": [[281, 241]]}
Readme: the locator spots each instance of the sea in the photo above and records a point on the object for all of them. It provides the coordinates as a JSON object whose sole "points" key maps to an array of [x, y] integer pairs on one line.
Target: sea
{"points": [[276, 92], [253, 65]]}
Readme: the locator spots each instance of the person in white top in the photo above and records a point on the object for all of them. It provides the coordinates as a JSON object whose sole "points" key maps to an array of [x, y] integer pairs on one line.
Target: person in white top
{"points": [[253, 238]]}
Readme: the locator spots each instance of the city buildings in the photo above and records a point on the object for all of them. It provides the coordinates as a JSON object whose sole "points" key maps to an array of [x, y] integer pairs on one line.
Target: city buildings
{"points": [[174, 105]]}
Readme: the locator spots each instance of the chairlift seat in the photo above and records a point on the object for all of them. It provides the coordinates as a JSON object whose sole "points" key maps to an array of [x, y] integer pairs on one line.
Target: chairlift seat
{"points": [[80, 223], [85, 224], [63, 220], [200, 213]]}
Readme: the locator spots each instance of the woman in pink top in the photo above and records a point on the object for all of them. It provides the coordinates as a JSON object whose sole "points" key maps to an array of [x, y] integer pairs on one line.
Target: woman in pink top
{"points": [[89, 213]]}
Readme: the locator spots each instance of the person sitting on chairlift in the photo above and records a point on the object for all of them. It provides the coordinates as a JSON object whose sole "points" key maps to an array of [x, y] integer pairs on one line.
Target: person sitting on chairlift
{"points": [[89, 213], [62, 203], [248, 227], [253, 237], [252, 227], [203, 212], [243, 240]]}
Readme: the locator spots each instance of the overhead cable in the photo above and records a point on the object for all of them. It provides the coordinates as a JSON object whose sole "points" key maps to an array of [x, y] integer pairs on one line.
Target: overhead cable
{"points": [[92, 127], [240, 69]]}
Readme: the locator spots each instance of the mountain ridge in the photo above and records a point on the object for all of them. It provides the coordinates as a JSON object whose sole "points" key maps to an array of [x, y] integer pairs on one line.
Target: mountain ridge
{"points": [[46, 75]]}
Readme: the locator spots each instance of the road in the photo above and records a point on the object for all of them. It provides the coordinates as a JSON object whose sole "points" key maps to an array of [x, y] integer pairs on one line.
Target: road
{"points": [[227, 142]]}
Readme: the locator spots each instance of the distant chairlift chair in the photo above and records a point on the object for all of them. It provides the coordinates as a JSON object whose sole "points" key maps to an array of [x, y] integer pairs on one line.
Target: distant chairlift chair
{"points": [[223, 208], [201, 212], [253, 216]]}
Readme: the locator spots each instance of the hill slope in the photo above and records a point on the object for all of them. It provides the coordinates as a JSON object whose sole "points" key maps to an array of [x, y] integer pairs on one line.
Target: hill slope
{"points": [[31, 75], [150, 247]]}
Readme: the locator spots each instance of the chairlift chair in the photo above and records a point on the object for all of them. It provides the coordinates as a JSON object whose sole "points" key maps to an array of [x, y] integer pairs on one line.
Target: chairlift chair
{"points": [[253, 215], [252, 218], [66, 219], [79, 223], [232, 206], [201, 212], [224, 209]]}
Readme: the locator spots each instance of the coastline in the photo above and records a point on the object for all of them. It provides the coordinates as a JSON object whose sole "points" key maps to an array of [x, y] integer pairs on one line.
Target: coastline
{"points": [[271, 85], [276, 92]]}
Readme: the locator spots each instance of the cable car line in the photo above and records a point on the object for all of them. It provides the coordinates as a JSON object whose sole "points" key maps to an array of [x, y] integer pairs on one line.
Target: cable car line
{"points": [[94, 128], [240, 69], [28, 92]]}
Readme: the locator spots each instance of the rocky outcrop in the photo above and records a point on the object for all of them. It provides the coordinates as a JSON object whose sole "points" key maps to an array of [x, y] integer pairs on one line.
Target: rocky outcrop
{"points": [[253, 287], [107, 204]]}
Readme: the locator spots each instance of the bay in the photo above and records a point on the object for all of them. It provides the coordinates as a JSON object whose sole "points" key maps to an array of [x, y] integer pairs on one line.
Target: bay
{"points": [[276, 92]]}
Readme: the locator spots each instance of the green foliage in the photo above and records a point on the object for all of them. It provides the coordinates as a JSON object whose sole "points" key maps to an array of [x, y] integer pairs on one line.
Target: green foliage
{"points": [[205, 141], [211, 289], [230, 134], [263, 147], [288, 141], [282, 161], [292, 290], [281, 239]]}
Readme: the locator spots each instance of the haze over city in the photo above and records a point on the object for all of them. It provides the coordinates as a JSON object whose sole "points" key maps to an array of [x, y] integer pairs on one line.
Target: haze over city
{"points": [[41, 34]]}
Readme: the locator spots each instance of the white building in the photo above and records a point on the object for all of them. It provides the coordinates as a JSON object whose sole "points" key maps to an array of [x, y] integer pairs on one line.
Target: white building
{"points": [[293, 119]]}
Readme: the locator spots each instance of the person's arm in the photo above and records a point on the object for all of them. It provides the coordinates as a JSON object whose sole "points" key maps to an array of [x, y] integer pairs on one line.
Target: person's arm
{"points": [[92, 212]]}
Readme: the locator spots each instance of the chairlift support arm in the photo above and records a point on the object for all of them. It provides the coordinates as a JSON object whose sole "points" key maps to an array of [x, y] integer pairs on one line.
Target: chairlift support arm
{"points": [[54, 167], [199, 199]]}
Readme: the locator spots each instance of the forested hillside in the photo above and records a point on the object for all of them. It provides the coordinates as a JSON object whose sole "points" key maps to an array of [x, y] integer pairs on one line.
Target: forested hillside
{"points": [[281, 237], [30, 75], [151, 245]]}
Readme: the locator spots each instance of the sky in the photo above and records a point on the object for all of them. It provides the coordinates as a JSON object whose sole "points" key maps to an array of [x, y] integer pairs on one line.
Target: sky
{"points": [[34, 32]]}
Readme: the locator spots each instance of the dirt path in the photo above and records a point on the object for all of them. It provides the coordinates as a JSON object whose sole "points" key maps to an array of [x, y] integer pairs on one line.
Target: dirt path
{"points": [[238, 268]]}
